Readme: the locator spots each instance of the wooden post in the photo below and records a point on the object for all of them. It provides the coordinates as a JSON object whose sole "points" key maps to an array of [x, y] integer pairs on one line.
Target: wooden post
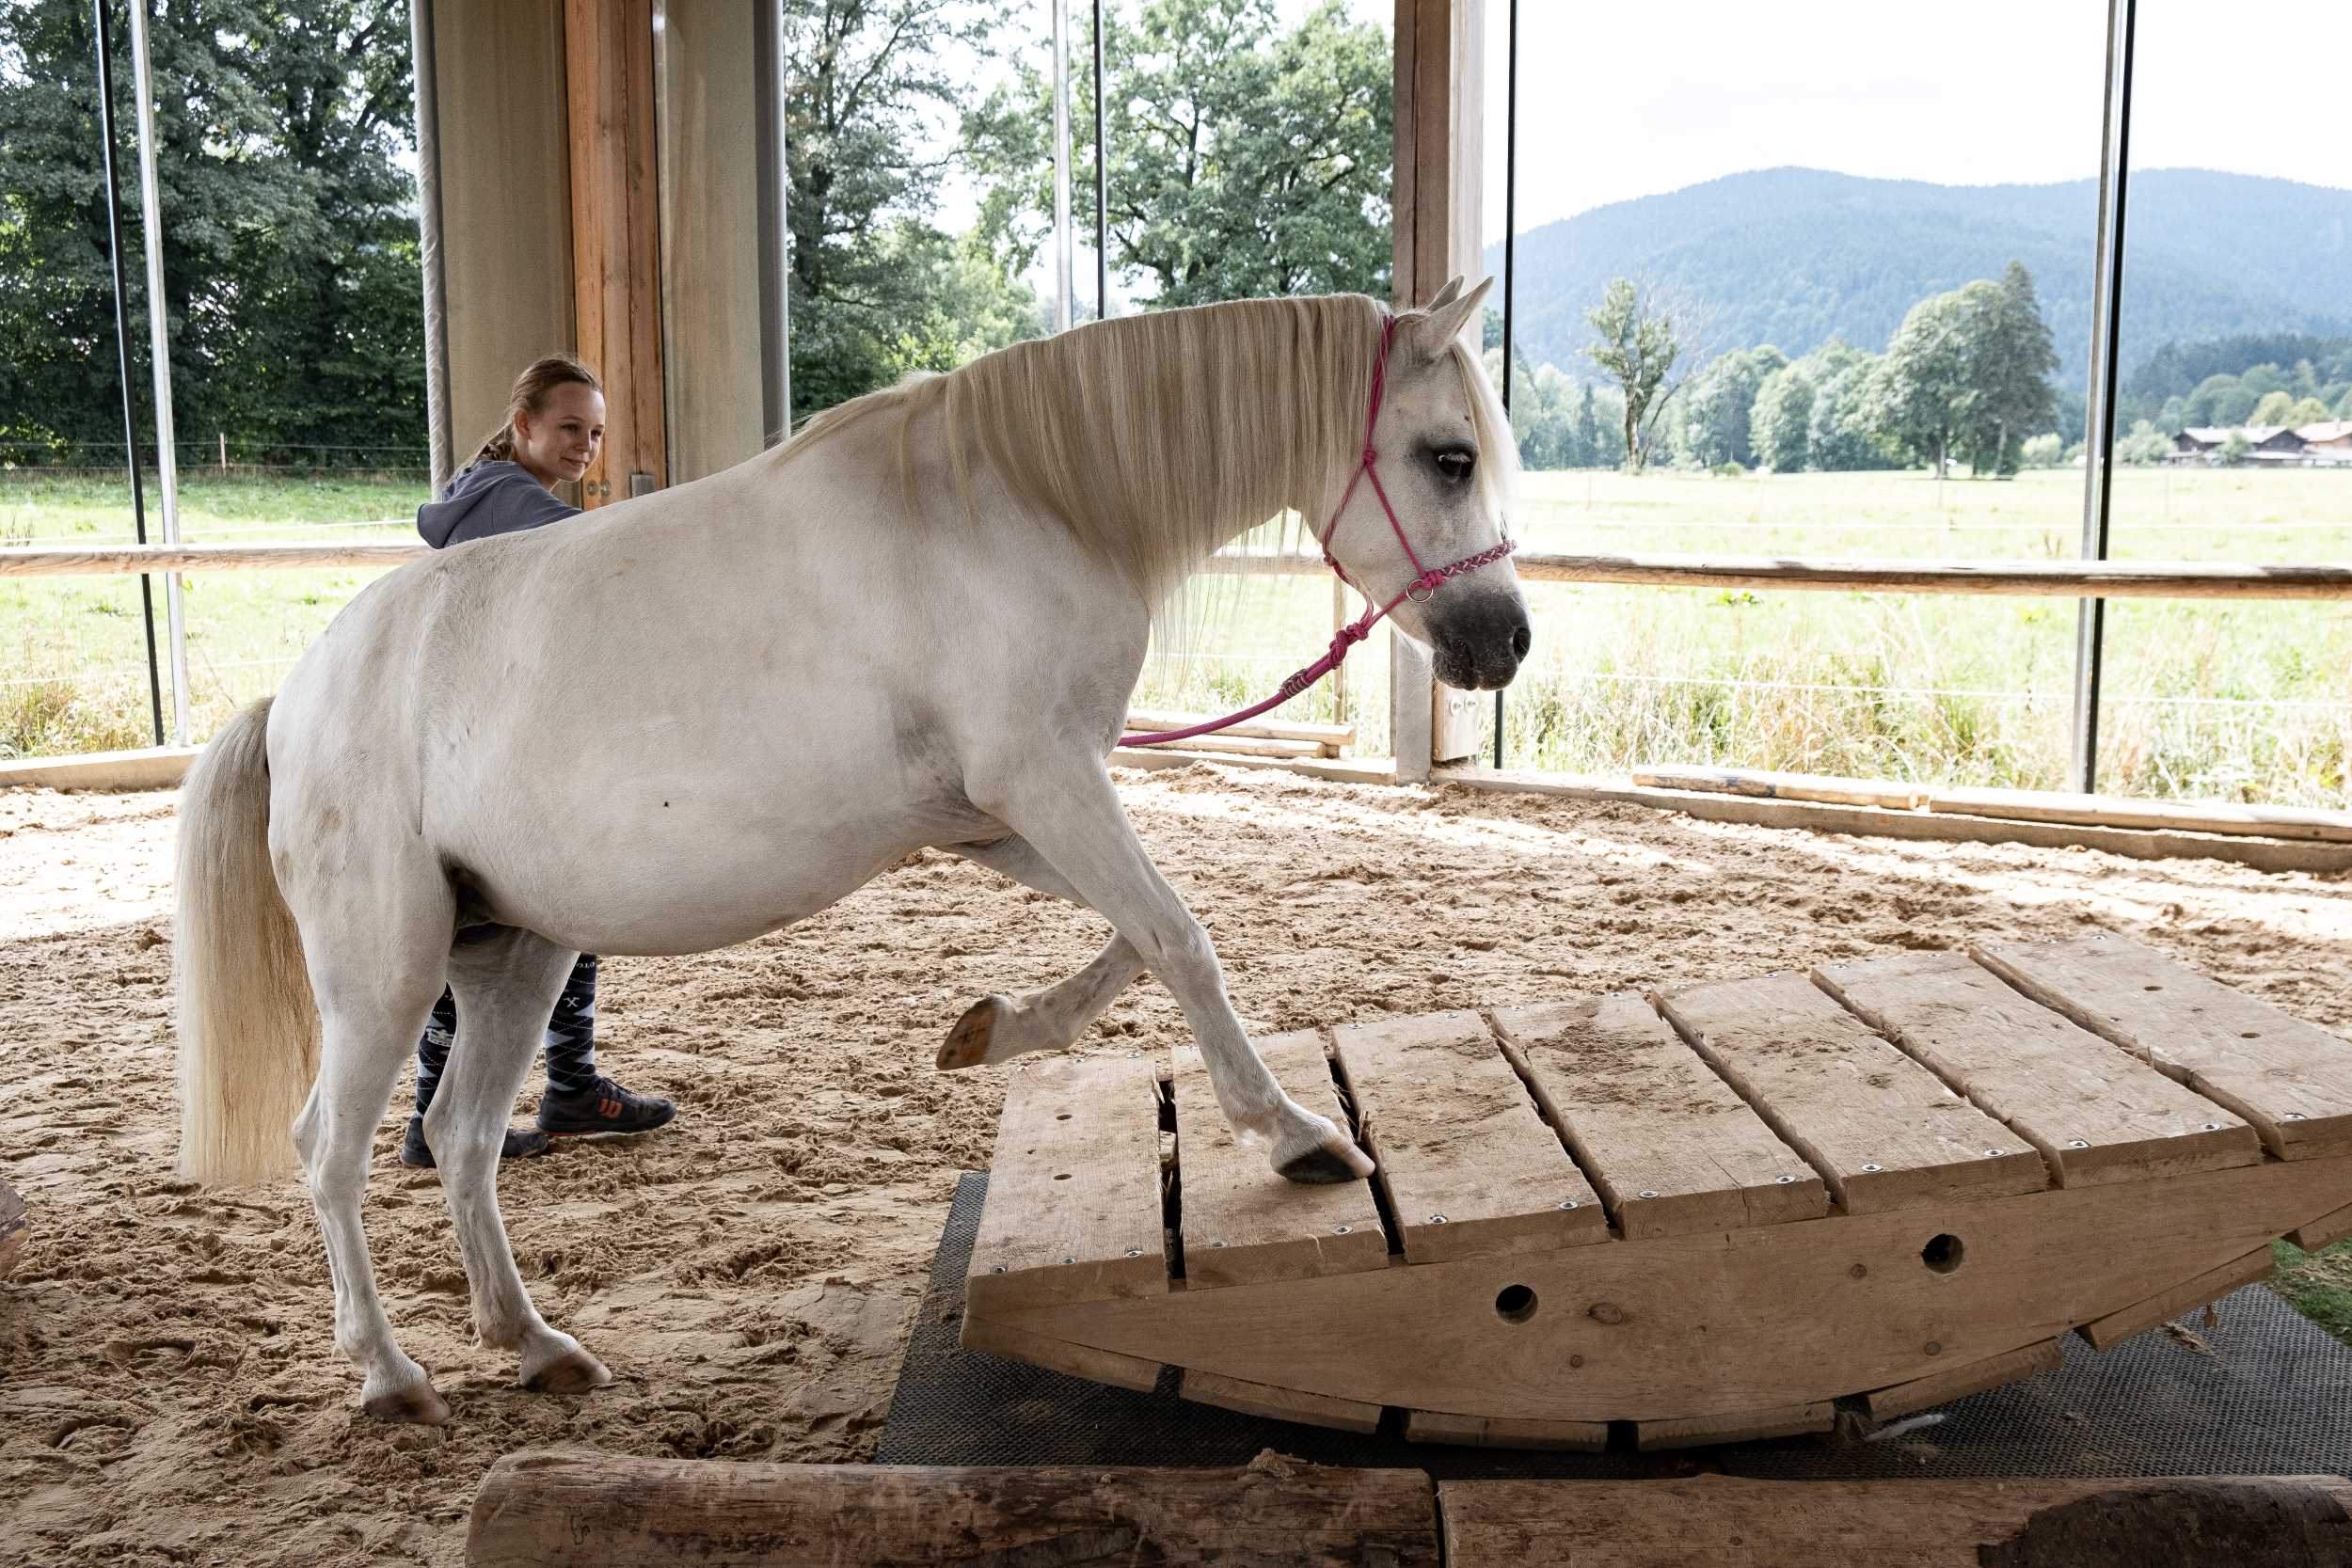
{"points": [[582, 1509], [616, 258], [1440, 51]]}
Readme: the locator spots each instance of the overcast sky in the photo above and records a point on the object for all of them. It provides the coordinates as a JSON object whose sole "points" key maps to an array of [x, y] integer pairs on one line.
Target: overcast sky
{"points": [[1620, 100]]}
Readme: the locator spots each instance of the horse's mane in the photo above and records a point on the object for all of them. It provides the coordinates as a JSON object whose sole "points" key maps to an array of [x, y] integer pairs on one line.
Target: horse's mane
{"points": [[1151, 434]]}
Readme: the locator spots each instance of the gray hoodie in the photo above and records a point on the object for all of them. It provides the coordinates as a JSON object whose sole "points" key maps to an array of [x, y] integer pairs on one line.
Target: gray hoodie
{"points": [[487, 499]]}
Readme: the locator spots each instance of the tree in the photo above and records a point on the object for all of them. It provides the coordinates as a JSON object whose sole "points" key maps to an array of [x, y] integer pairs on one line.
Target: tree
{"points": [[2273, 409], [1783, 419], [2307, 410], [1717, 408], [1589, 439], [2008, 361], [2145, 444], [2234, 449], [1246, 159], [1841, 437], [290, 249], [1637, 348], [876, 290], [1916, 392]]}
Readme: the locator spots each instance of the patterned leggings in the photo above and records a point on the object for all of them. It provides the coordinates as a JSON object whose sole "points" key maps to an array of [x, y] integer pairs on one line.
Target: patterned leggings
{"points": [[571, 1037]]}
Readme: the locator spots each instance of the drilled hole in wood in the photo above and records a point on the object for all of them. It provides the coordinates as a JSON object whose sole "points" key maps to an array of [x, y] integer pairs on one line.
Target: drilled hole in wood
{"points": [[1514, 1304], [1064, 1117], [1942, 1254], [1063, 1177], [2151, 987]]}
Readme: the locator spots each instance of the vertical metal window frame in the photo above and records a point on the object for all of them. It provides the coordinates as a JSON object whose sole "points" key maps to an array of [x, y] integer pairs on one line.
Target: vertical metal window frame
{"points": [[159, 362], [1510, 269], [2106, 336]]}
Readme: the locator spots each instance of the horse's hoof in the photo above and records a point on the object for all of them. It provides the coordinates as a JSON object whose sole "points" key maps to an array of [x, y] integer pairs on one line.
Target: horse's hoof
{"points": [[967, 1043], [1324, 1165], [575, 1372], [417, 1406]]}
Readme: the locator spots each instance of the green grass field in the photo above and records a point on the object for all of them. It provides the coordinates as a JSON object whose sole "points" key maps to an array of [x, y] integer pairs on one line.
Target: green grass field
{"points": [[2250, 701]]}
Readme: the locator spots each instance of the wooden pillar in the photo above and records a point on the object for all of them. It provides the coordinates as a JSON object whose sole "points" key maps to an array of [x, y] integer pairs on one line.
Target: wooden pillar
{"points": [[1440, 53], [616, 251]]}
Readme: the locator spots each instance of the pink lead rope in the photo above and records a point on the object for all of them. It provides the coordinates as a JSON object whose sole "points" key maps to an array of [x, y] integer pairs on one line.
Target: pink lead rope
{"points": [[1425, 585]]}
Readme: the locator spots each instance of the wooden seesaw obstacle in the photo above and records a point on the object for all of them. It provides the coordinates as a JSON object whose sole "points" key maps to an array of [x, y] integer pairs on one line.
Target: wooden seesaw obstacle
{"points": [[1710, 1212]]}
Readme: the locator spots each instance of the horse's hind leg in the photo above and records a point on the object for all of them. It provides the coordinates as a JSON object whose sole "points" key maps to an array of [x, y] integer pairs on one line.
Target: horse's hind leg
{"points": [[371, 1005], [998, 1028], [506, 983]]}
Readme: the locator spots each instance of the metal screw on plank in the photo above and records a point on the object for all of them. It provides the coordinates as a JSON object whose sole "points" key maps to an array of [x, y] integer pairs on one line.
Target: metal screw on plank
{"points": [[1990, 1153], [1567, 1203], [1646, 1193], [1217, 1243], [1437, 1219], [2079, 1142], [2294, 1116], [1070, 1260], [1132, 1252], [1340, 1230], [1783, 1180], [998, 1269], [2213, 1127], [1874, 1168]]}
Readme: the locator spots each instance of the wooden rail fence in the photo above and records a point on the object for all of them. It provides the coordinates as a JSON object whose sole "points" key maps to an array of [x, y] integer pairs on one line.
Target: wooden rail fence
{"points": [[2107, 580]]}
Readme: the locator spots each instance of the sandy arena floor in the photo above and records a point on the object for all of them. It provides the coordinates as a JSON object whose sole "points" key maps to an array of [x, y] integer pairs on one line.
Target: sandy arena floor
{"points": [[169, 1390]]}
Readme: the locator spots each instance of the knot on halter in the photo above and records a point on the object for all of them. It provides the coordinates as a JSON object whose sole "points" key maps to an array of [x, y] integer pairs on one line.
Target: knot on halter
{"points": [[1346, 637], [1372, 455]]}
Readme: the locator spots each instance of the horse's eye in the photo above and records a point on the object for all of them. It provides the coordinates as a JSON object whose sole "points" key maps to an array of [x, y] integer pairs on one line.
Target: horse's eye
{"points": [[1455, 463]]}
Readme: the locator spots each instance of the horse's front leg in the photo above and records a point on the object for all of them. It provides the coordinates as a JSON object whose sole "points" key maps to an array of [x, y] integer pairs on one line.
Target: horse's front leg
{"points": [[1067, 810], [998, 1028]]}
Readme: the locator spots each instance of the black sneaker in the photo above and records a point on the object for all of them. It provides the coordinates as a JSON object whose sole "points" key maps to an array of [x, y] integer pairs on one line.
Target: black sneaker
{"points": [[521, 1143], [604, 1107]]}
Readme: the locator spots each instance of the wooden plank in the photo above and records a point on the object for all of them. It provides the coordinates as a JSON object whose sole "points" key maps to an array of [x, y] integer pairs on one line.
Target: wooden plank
{"points": [[990, 1337], [2096, 1114], [2104, 579], [2291, 1079], [1765, 785], [616, 224], [1467, 1162], [2327, 1231], [1246, 746], [1074, 1192], [1734, 1426], [1241, 1221], [2263, 854], [577, 1509], [2165, 1306], [1883, 1130], [1711, 1521], [1741, 1320], [1926, 1393], [1145, 720], [1280, 1405], [34, 562], [1489, 1432], [1667, 1144], [2202, 816], [14, 1229]]}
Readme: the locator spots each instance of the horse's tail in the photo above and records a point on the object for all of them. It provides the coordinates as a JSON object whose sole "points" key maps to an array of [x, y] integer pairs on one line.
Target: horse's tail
{"points": [[249, 1025]]}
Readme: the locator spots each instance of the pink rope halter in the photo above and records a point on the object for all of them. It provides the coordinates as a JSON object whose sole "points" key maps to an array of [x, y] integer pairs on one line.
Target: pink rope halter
{"points": [[1421, 590]]}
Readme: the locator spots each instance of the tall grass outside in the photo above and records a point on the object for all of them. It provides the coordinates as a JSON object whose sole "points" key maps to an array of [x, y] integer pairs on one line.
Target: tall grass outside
{"points": [[2204, 699]]}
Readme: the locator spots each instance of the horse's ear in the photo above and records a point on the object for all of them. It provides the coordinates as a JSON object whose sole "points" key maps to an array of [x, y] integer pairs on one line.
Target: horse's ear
{"points": [[1447, 318], [1447, 295]]}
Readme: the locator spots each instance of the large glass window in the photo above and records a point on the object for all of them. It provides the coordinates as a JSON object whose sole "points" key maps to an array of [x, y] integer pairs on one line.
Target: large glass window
{"points": [[2234, 419], [1817, 280]]}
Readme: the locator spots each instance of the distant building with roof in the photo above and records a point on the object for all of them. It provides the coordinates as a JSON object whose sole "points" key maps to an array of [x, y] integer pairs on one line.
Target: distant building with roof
{"points": [[2326, 443]]}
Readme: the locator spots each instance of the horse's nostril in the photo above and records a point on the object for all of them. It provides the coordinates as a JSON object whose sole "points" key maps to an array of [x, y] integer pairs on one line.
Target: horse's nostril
{"points": [[1521, 640]]}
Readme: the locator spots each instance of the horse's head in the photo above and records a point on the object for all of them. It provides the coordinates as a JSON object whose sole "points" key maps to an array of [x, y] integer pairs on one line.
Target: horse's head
{"points": [[1448, 463]]}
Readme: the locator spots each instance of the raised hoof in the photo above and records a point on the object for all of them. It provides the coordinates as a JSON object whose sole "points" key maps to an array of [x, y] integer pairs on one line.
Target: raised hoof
{"points": [[967, 1043], [1323, 1166], [418, 1406], [572, 1373]]}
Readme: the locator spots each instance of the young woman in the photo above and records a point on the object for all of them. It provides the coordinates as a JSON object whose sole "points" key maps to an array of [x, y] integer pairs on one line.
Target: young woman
{"points": [[554, 427]]}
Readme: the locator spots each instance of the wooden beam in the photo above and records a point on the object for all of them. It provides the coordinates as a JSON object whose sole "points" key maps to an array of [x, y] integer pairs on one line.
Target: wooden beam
{"points": [[616, 251], [2219, 1522], [582, 1509]]}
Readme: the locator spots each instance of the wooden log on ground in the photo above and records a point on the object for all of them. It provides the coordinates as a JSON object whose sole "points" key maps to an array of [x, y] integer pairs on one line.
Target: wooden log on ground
{"points": [[582, 1509], [2221, 1522], [13, 1229]]}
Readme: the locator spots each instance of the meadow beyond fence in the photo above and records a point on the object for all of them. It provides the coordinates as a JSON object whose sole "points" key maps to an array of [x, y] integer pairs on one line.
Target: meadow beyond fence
{"points": [[2246, 701]]}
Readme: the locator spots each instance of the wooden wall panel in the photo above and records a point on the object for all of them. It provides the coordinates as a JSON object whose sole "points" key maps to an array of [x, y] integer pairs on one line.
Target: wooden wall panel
{"points": [[507, 230], [615, 224]]}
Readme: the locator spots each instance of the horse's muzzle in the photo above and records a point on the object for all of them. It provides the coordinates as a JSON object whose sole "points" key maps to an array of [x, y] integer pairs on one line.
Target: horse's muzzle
{"points": [[1478, 643]]}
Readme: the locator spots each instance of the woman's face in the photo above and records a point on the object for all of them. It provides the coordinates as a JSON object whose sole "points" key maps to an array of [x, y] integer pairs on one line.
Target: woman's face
{"points": [[560, 439]]}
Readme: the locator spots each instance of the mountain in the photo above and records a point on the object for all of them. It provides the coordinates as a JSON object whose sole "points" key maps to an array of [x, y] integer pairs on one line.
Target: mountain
{"points": [[1794, 257]]}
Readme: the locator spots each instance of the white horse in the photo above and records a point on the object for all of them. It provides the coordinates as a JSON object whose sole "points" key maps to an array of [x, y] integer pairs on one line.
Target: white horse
{"points": [[693, 717]]}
